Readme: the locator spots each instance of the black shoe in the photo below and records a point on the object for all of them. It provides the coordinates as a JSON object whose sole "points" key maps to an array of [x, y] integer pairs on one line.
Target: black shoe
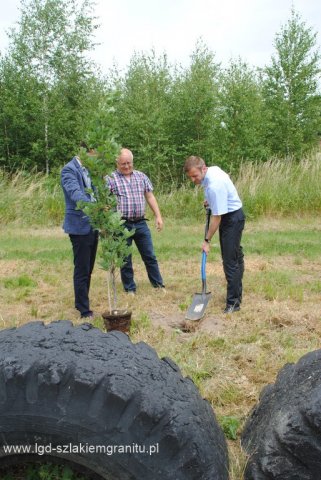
{"points": [[232, 308], [89, 314]]}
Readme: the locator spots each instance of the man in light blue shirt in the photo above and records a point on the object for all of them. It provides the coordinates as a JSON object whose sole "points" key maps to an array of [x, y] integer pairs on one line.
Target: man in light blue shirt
{"points": [[227, 216]]}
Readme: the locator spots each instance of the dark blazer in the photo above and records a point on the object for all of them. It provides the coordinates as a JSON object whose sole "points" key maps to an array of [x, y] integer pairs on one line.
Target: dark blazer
{"points": [[73, 185]]}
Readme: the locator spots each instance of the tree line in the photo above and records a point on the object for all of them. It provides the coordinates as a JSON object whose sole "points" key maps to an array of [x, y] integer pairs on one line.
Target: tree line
{"points": [[52, 97]]}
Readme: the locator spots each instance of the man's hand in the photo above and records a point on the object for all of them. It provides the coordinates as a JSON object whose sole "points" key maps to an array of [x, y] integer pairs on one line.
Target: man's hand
{"points": [[159, 223], [152, 202], [206, 247]]}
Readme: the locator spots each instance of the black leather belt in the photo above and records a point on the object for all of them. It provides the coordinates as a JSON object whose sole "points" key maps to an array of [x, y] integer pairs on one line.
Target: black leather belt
{"points": [[133, 220]]}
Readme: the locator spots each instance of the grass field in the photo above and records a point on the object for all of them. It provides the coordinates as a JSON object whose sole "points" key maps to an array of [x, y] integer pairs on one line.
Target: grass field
{"points": [[229, 357]]}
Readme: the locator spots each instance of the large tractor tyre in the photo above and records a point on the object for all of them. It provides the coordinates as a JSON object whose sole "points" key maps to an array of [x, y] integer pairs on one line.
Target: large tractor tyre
{"points": [[283, 433], [110, 408]]}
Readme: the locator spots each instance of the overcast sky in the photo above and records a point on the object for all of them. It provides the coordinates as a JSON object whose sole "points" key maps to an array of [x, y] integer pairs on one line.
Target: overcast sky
{"points": [[230, 28]]}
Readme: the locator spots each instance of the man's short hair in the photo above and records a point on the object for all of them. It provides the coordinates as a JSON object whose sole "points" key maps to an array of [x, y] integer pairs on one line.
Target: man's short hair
{"points": [[192, 162], [124, 150]]}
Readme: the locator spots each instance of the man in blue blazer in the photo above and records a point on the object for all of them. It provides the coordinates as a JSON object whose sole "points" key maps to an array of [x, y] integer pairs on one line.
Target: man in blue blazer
{"points": [[74, 181]]}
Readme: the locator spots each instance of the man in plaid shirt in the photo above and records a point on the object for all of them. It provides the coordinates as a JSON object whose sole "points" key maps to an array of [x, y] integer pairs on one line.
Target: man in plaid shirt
{"points": [[133, 189]]}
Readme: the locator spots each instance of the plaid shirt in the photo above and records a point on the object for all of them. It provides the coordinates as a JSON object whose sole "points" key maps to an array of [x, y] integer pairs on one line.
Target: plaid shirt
{"points": [[130, 194]]}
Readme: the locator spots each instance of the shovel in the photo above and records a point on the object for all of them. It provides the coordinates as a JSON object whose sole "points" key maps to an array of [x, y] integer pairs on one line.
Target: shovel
{"points": [[200, 300]]}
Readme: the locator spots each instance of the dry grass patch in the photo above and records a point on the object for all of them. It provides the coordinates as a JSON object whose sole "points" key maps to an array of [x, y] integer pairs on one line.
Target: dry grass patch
{"points": [[229, 357]]}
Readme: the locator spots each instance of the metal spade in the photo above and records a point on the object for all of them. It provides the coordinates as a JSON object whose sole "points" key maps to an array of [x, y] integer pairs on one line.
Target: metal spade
{"points": [[200, 300]]}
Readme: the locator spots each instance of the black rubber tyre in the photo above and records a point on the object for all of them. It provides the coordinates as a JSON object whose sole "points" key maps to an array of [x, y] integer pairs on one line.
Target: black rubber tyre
{"points": [[63, 385], [283, 433]]}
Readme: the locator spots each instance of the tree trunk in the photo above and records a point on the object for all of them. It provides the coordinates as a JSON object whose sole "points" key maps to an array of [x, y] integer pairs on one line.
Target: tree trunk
{"points": [[113, 282], [45, 111], [7, 141]]}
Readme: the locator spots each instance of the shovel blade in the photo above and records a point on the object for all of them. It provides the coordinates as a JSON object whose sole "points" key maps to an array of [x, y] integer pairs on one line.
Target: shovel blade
{"points": [[197, 309]]}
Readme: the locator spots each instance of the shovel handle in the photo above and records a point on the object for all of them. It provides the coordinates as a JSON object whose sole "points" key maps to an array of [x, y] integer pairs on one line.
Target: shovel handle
{"points": [[203, 266], [208, 218], [204, 256], [203, 272]]}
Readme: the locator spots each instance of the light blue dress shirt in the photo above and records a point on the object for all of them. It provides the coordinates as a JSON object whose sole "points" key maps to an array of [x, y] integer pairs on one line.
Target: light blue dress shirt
{"points": [[220, 192]]}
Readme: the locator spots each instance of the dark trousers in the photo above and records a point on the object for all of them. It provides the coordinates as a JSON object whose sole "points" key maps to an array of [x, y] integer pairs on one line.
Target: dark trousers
{"points": [[143, 240], [230, 230], [84, 249]]}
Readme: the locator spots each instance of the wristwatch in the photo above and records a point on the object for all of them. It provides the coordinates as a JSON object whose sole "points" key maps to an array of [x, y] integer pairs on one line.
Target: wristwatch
{"points": [[207, 240]]}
